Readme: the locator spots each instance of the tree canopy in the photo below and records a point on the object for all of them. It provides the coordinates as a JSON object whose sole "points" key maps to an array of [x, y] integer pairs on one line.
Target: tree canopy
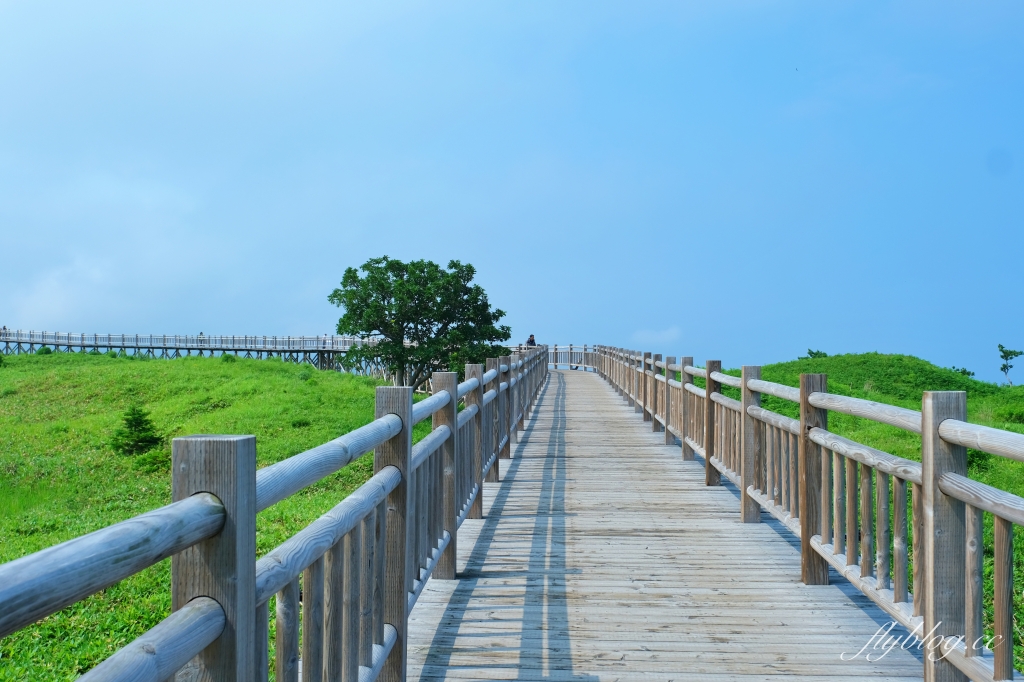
{"points": [[417, 318]]}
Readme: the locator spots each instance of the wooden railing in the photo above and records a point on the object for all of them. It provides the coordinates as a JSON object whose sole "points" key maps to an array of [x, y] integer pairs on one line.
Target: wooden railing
{"points": [[15, 341], [570, 356], [361, 566], [848, 502]]}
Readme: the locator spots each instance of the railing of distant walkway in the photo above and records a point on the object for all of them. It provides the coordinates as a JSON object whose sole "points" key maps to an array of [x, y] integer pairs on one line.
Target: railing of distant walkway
{"points": [[361, 566], [324, 352], [847, 502]]}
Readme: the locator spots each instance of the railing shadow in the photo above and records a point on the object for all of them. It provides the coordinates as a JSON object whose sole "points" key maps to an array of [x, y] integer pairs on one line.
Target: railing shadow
{"points": [[545, 646]]}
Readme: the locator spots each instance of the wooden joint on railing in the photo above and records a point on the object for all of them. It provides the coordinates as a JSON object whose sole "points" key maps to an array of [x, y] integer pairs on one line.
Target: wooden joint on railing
{"points": [[222, 567]]}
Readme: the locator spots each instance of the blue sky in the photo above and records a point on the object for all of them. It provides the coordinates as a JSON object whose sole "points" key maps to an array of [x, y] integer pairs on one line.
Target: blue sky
{"points": [[737, 180]]}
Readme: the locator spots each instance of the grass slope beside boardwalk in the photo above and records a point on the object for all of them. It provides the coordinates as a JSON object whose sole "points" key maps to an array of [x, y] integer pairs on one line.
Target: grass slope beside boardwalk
{"points": [[60, 479]]}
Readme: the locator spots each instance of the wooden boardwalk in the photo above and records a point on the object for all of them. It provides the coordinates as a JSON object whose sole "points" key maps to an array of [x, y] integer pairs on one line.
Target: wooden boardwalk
{"points": [[603, 556]]}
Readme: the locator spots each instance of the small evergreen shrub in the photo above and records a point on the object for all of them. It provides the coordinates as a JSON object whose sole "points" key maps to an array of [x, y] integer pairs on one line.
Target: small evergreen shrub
{"points": [[227, 357], [136, 435], [43, 350]]}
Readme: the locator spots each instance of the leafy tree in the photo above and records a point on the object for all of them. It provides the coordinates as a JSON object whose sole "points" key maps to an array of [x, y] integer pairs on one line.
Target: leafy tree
{"points": [[136, 434], [962, 370], [1007, 355], [812, 354], [416, 318]]}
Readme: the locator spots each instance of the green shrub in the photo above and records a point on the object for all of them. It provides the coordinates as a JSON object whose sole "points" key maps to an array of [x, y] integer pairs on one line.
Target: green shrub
{"points": [[300, 423], [1013, 414], [111, 353], [154, 461], [43, 350], [227, 357], [136, 435], [1, 361], [94, 351]]}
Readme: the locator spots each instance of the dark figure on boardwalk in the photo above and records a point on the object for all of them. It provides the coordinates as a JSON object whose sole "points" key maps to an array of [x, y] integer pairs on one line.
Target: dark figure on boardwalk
{"points": [[531, 341]]}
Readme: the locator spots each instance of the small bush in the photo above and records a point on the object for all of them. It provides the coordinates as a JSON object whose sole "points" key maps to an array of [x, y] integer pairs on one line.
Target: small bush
{"points": [[111, 353], [813, 354], [43, 350], [1, 361], [154, 461], [94, 351], [227, 357], [136, 435], [306, 373]]}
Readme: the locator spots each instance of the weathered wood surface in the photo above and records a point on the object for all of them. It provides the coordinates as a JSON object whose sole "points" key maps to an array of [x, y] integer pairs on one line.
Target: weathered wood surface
{"points": [[603, 556]]}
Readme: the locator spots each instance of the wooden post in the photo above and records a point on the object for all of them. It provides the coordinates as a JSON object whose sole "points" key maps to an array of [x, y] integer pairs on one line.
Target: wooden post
{"points": [[448, 416], [669, 403], [813, 568], [684, 413], [642, 396], [505, 413], [655, 403], [222, 567], [522, 395], [752, 453], [945, 544], [628, 378], [711, 474], [477, 456], [490, 427], [398, 567]]}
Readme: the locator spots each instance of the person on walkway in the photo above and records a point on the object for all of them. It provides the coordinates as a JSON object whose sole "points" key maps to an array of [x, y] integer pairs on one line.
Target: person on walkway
{"points": [[531, 341]]}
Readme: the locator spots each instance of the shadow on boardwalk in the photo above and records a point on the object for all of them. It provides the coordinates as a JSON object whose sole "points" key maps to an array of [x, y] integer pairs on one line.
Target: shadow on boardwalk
{"points": [[545, 608]]}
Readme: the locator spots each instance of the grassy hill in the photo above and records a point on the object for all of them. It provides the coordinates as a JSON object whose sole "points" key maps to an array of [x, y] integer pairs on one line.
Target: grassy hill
{"points": [[59, 477], [900, 380]]}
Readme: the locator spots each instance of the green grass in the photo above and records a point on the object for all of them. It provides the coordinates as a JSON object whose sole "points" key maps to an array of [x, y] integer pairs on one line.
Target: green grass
{"points": [[60, 478]]}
